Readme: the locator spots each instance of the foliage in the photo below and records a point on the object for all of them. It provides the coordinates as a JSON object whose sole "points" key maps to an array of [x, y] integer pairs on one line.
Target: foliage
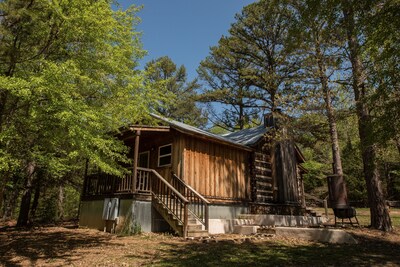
{"points": [[179, 102], [130, 226], [252, 69], [47, 210], [383, 51], [226, 85], [67, 79], [297, 55]]}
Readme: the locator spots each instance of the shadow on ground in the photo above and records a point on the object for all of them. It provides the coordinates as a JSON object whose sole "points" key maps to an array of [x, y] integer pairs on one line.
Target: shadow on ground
{"points": [[57, 246], [27, 246], [369, 252]]}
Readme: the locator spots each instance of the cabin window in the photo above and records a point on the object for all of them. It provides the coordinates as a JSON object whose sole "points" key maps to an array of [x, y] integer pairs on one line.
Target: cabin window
{"points": [[165, 155], [144, 159]]}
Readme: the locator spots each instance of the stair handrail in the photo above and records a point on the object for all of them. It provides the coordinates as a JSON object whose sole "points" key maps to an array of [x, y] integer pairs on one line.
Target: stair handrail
{"points": [[191, 189], [170, 198], [165, 182], [203, 218]]}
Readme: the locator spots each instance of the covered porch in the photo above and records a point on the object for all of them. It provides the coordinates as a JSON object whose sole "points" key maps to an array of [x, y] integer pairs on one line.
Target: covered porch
{"points": [[153, 178]]}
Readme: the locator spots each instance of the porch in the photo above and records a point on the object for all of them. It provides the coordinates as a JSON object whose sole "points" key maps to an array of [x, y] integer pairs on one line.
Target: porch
{"points": [[184, 209]]}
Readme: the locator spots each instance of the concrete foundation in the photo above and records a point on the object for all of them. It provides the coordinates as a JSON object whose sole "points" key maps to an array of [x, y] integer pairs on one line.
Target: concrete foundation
{"points": [[223, 218], [225, 226], [227, 212], [314, 234], [284, 220], [140, 214]]}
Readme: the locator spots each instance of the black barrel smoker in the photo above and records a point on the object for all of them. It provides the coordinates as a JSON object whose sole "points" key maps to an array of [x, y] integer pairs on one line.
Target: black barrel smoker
{"points": [[338, 199]]}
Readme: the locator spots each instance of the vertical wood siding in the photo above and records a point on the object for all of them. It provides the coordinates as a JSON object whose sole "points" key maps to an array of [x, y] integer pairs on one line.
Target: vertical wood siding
{"points": [[216, 170]]}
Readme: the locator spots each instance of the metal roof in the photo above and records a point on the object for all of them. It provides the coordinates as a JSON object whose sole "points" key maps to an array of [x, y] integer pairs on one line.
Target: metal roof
{"points": [[182, 127], [247, 137], [243, 139]]}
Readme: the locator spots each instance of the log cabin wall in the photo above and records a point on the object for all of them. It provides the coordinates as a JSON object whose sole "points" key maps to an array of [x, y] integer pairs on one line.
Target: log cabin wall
{"points": [[218, 172], [275, 173], [262, 181], [264, 188]]}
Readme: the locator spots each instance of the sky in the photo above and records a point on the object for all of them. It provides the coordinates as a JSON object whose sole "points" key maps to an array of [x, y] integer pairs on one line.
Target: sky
{"points": [[184, 30]]}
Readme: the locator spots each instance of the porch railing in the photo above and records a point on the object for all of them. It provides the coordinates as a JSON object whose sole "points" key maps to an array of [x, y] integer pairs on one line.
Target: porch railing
{"points": [[177, 197], [198, 205], [104, 184]]}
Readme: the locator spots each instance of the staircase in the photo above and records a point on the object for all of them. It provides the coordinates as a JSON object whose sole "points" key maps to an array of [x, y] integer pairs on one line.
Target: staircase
{"points": [[184, 209], [194, 227]]}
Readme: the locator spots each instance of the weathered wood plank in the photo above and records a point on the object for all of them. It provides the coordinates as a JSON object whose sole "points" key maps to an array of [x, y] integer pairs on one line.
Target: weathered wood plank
{"points": [[215, 170], [259, 176], [266, 184], [260, 168]]}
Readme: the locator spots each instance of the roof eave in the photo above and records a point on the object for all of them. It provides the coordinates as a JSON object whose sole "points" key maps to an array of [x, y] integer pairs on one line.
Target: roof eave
{"points": [[217, 140]]}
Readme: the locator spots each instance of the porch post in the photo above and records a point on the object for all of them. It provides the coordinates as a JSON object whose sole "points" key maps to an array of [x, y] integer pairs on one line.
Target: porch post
{"points": [[135, 159]]}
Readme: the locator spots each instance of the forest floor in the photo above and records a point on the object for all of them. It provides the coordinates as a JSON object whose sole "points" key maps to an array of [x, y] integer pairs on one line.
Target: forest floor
{"points": [[68, 245]]}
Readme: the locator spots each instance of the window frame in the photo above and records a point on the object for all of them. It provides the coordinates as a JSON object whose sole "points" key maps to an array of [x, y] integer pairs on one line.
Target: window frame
{"points": [[164, 156]]}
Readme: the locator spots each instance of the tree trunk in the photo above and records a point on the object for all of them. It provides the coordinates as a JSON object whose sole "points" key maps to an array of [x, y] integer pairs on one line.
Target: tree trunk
{"points": [[380, 218], [60, 203], [337, 162], [23, 216], [35, 202], [10, 198], [398, 144], [2, 194], [241, 115]]}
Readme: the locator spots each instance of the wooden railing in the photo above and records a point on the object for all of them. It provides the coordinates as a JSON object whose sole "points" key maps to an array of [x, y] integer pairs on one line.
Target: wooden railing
{"points": [[178, 198], [198, 205], [105, 184], [170, 198]]}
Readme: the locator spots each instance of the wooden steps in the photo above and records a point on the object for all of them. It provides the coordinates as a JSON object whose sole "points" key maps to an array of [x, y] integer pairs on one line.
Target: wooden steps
{"points": [[194, 227]]}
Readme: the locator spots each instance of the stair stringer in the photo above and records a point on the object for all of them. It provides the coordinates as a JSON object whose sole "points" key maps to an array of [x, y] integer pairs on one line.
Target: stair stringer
{"points": [[168, 216]]}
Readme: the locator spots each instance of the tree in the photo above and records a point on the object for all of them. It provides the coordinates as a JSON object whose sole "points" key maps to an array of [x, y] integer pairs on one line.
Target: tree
{"points": [[352, 19], [67, 79], [254, 59], [180, 95], [384, 71], [315, 43], [226, 85]]}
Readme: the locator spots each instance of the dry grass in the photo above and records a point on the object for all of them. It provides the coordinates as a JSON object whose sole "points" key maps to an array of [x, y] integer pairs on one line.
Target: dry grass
{"points": [[69, 246], [363, 215]]}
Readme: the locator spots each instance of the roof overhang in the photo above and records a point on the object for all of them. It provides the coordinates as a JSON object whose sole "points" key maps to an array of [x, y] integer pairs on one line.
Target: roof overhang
{"points": [[210, 138], [147, 128], [302, 169], [299, 155]]}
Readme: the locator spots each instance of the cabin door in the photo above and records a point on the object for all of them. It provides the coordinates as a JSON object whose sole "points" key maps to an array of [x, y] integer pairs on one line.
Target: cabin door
{"points": [[144, 159]]}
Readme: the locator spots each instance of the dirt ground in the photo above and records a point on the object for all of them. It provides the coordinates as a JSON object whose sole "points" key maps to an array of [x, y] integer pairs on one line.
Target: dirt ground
{"points": [[67, 245]]}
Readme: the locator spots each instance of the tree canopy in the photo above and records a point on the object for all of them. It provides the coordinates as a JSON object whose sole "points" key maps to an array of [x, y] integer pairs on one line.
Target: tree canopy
{"points": [[319, 57], [68, 79], [180, 94]]}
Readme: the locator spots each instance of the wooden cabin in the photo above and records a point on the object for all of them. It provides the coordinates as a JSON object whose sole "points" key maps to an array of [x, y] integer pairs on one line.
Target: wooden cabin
{"points": [[184, 178]]}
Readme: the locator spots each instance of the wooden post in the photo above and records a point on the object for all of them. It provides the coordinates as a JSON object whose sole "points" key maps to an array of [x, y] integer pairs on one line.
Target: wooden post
{"points": [[135, 160], [326, 207], [185, 219], [206, 216]]}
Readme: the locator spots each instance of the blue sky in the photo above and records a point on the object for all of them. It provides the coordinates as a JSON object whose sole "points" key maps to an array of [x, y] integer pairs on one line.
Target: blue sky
{"points": [[184, 30]]}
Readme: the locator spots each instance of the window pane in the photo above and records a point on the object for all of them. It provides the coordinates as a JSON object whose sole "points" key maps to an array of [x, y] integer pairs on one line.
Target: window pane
{"points": [[164, 161], [165, 150]]}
